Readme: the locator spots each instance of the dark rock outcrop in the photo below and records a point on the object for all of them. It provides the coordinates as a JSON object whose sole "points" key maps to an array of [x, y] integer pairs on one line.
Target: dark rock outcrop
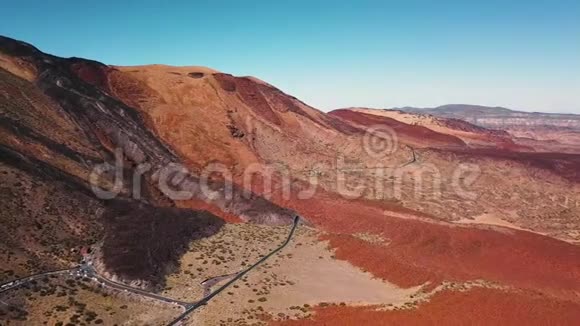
{"points": [[196, 75]]}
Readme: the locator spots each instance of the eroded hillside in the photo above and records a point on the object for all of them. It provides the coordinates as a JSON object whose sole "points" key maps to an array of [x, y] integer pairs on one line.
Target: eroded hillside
{"points": [[403, 214]]}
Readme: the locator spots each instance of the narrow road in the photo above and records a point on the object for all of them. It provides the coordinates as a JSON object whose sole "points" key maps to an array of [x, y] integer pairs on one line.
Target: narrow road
{"points": [[18, 282], [88, 270], [208, 297], [207, 284], [413, 159]]}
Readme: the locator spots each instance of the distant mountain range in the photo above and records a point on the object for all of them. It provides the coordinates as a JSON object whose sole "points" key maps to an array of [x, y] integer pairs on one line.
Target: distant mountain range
{"points": [[499, 117]]}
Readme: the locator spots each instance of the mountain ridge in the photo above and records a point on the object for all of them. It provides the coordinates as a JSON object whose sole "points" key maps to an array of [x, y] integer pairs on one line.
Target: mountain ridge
{"points": [[393, 214], [465, 107]]}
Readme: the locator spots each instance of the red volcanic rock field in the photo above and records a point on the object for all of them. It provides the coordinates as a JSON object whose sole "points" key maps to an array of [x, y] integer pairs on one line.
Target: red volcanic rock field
{"points": [[196, 116], [478, 306], [539, 275], [421, 251], [538, 272]]}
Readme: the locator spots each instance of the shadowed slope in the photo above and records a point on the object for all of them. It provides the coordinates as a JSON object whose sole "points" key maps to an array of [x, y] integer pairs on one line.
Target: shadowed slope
{"points": [[62, 117], [129, 248]]}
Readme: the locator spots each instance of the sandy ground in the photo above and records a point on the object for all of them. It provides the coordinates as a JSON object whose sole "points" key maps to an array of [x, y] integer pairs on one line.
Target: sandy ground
{"points": [[305, 274], [232, 249], [62, 300], [486, 221], [492, 219]]}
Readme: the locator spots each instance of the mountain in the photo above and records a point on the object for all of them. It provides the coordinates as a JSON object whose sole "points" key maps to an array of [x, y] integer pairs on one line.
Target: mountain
{"points": [[167, 181], [458, 109], [561, 129], [500, 118]]}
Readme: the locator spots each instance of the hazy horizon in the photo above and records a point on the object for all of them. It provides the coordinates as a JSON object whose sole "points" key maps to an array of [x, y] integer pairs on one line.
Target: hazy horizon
{"points": [[522, 56]]}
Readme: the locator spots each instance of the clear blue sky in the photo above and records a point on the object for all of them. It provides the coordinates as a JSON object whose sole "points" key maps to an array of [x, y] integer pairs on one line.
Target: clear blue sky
{"points": [[519, 54]]}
